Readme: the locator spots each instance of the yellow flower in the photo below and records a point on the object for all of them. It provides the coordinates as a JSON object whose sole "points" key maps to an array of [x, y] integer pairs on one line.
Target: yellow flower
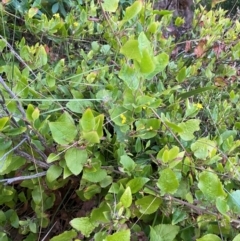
{"points": [[56, 15], [198, 105], [123, 117], [75, 24], [150, 128]]}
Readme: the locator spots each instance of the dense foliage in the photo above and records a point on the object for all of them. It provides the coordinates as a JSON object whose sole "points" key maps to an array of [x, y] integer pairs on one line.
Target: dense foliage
{"points": [[114, 129]]}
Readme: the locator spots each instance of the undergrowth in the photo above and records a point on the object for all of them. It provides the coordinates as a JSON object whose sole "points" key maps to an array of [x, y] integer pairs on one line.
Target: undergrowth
{"points": [[112, 131]]}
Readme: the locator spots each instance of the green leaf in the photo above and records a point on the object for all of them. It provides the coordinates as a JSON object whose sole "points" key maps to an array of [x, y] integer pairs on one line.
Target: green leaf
{"points": [[233, 201], [96, 176], [133, 10], [210, 185], [110, 5], [195, 92], [53, 157], [83, 225], [148, 204], [37, 195], [65, 236], [3, 236], [41, 57], [63, 130], [128, 163], [126, 198], [79, 106], [55, 7], [91, 136], [222, 206], [130, 50], [87, 121], [123, 235], [237, 238], [188, 128], [178, 216], [161, 61], [3, 122], [163, 232], [203, 147], [99, 125], [53, 173], [137, 183], [75, 159], [130, 76], [181, 76], [209, 237], [147, 64], [167, 182], [16, 131], [173, 126]]}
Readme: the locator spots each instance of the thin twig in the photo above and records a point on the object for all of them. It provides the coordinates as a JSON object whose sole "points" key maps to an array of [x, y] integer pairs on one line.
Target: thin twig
{"points": [[13, 96], [2, 159], [21, 178], [30, 158]]}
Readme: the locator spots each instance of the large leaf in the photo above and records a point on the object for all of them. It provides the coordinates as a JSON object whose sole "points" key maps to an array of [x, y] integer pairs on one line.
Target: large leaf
{"points": [[188, 128], [137, 183], [63, 129], [167, 182], [163, 232], [210, 185], [133, 10], [203, 147], [75, 159], [123, 235], [130, 50], [148, 204], [84, 225]]}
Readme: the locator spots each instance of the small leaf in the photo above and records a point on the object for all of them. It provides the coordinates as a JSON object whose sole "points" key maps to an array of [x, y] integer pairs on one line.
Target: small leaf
{"points": [[181, 75], [209, 237], [3, 122], [87, 121], [55, 7], [83, 225], [126, 198], [128, 163], [210, 185], [123, 235], [148, 204], [168, 182], [96, 176], [137, 183], [75, 159], [53, 173], [99, 125], [91, 136]]}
